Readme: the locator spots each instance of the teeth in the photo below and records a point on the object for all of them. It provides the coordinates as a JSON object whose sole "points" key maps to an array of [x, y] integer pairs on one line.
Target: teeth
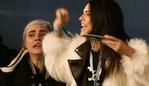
{"points": [[37, 45], [82, 24]]}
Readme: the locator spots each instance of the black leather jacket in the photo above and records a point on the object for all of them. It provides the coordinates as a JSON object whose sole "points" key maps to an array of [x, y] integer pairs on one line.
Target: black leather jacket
{"points": [[79, 67]]}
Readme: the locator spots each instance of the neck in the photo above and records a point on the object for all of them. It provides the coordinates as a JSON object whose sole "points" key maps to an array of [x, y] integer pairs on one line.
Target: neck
{"points": [[37, 61], [95, 45]]}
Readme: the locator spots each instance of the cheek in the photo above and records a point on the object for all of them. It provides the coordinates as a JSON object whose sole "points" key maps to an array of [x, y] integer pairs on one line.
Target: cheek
{"points": [[85, 31], [89, 27], [89, 24], [88, 30], [28, 44]]}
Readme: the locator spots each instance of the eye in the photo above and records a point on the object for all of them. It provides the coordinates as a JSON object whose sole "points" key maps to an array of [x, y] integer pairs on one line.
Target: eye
{"points": [[43, 33], [88, 14], [30, 35]]}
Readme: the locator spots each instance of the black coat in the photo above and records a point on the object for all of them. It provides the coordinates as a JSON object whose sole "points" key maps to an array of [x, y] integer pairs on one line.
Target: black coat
{"points": [[6, 55], [25, 74]]}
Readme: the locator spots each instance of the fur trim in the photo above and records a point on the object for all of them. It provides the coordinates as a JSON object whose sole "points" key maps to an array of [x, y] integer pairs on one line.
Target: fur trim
{"points": [[135, 69], [57, 51], [133, 73], [116, 79], [138, 65]]}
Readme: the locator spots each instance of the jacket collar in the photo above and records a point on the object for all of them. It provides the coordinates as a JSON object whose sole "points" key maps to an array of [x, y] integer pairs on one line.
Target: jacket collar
{"points": [[83, 50], [78, 66]]}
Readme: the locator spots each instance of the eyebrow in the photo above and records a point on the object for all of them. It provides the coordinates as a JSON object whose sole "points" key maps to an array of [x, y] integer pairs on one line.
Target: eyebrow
{"points": [[87, 11], [32, 31]]}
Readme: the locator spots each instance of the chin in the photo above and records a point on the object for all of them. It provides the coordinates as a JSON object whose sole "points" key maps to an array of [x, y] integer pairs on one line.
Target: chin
{"points": [[37, 52], [82, 34]]}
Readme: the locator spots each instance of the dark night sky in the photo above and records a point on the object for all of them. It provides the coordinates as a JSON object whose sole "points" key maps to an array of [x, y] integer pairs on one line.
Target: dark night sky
{"points": [[15, 14]]}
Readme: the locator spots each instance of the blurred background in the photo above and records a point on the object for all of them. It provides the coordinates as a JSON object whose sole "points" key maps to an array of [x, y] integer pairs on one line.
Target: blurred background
{"points": [[15, 14]]}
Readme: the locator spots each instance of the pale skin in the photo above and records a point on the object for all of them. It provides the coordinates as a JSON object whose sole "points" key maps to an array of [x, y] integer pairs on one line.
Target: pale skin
{"points": [[33, 41], [112, 42]]}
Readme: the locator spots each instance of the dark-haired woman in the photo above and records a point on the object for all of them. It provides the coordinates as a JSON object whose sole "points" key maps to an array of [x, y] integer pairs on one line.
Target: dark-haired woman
{"points": [[112, 60]]}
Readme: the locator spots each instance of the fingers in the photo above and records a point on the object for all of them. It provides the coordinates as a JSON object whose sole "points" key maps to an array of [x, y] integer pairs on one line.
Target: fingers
{"points": [[109, 40], [111, 37], [58, 14], [62, 18], [118, 45], [112, 42], [63, 14]]}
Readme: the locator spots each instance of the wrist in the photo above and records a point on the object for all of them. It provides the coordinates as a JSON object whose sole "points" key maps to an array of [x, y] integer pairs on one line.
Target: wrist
{"points": [[59, 32], [130, 52]]}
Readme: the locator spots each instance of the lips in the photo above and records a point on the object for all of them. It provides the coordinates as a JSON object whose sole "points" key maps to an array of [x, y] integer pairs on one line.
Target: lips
{"points": [[37, 45], [83, 25]]}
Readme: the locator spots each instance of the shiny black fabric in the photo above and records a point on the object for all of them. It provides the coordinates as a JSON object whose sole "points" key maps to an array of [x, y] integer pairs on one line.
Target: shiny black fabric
{"points": [[79, 67]]}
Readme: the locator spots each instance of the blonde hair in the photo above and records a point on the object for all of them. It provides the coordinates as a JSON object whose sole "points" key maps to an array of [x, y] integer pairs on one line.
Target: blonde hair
{"points": [[37, 21], [23, 51]]}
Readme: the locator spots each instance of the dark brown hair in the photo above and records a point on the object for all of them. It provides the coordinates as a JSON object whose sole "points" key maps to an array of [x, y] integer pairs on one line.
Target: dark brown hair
{"points": [[107, 18]]}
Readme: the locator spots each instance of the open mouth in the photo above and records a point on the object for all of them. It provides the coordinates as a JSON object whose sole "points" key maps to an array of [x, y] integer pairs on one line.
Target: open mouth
{"points": [[83, 26], [37, 46]]}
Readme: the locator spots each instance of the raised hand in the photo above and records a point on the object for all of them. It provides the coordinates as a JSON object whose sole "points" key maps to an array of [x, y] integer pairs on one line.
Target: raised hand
{"points": [[62, 18], [118, 45]]}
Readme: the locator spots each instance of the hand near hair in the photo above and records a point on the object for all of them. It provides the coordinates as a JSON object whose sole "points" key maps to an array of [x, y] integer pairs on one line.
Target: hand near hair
{"points": [[118, 45], [62, 18]]}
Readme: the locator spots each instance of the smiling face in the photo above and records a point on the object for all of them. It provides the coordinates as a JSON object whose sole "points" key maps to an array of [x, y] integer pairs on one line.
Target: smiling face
{"points": [[33, 38], [85, 20]]}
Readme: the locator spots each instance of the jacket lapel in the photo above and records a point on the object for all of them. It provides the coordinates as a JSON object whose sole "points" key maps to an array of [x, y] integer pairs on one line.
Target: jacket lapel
{"points": [[78, 66]]}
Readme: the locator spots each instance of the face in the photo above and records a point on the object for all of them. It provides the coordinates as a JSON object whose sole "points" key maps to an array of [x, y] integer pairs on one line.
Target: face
{"points": [[85, 20], [33, 38]]}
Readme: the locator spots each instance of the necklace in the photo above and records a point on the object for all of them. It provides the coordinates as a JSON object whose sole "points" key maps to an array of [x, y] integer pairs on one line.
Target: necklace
{"points": [[95, 74], [95, 49], [95, 44]]}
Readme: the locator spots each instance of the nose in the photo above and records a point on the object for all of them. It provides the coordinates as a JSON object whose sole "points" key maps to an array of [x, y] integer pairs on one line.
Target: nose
{"points": [[81, 17], [38, 37]]}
